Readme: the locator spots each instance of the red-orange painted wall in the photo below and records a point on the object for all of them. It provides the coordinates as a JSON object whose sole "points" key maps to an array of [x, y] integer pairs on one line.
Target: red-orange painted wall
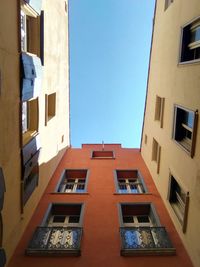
{"points": [[101, 241]]}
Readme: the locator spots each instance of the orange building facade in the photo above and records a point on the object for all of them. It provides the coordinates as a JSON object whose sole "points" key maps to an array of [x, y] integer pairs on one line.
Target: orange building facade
{"points": [[100, 208]]}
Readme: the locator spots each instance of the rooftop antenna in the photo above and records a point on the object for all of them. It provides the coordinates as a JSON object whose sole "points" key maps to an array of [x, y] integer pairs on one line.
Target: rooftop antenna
{"points": [[102, 145]]}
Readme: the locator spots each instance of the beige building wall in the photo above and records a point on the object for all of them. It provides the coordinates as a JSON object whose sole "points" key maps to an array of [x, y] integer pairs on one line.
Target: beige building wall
{"points": [[53, 130], [177, 84]]}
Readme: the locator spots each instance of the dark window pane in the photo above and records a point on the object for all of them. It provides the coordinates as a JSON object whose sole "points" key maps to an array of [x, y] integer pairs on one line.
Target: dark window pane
{"points": [[128, 219], [59, 219], [73, 219], [70, 180], [143, 219]]}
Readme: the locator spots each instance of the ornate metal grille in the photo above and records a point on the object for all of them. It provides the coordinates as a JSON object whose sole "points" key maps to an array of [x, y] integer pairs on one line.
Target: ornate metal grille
{"points": [[145, 240], [55, 240]]}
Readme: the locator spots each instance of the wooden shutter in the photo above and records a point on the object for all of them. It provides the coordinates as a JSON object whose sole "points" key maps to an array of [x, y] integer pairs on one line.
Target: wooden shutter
{"points": [[30, 149], [30, 155], [42, 37], [158, 158], [2, 189], [33, 161], [184, 225], [31, 76], [35, 4], [28, 188]]}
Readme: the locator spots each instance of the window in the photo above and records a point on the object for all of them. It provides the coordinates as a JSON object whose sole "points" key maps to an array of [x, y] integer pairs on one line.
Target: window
{"points": [[159, 110], [102, 154], [129, 182], [50, 107], [29, 119], [31, 30], [190, 47], [156, 152], [141, 232], [168, 3], [140, 214], [179, 200], [64, 215], [185, 127], [60, 233], [73, 181]]}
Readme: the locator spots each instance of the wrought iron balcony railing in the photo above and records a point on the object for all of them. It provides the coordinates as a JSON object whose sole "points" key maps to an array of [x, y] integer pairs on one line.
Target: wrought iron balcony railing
{"points": [[55, 240], [145, 241]]}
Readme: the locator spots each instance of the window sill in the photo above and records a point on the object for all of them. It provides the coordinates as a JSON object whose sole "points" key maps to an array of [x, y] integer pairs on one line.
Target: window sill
{"points": [[183, 148], [190, 62], [69, 193], [103, 158], [116, 193]]}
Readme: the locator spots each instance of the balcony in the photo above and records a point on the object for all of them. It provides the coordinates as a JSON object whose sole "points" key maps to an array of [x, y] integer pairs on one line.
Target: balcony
{"points": [[55, 241], [145, 241]]}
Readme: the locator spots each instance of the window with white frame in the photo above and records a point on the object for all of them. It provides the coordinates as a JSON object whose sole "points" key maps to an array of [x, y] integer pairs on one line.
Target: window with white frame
{"points": [[190, 46], [129, 182], [60, 232], [179, 200], [63, 215], [184, 130], [138, 215], [73, 181]]}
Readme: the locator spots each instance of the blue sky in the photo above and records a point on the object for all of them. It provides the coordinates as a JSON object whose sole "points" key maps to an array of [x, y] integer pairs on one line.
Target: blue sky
{"points": [[109, 56]]}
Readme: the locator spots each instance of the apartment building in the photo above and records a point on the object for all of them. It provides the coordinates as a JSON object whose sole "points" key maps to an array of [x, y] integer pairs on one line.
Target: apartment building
{"points": [[101, 208], [170, 141], [34, 108]]}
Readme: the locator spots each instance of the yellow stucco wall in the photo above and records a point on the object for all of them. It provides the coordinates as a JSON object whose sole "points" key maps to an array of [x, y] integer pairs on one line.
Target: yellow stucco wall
{"points": [[178, 84], [54, 137]]}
